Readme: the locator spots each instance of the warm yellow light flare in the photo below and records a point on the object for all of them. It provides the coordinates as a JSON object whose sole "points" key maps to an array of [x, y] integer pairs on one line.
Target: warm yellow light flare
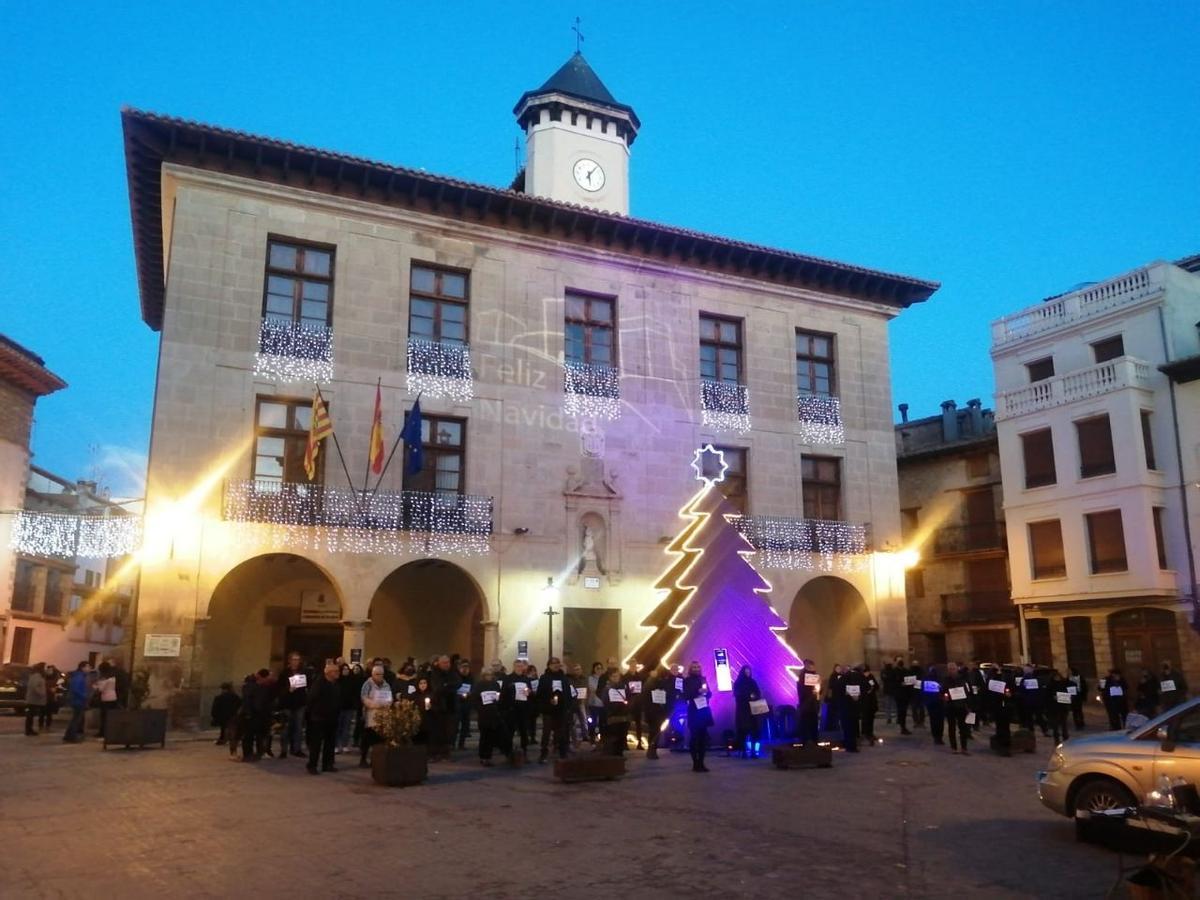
{"points": [[908, 557]]}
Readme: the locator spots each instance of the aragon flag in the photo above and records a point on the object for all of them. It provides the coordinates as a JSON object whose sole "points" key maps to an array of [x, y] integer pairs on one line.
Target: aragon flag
{"points": [[375, 456], [319, 428]]}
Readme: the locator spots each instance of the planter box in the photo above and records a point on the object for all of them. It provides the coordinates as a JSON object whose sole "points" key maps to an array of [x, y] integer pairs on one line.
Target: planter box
{"points": [[794, 756], [399, 766], [136, 727], [593, 767]]}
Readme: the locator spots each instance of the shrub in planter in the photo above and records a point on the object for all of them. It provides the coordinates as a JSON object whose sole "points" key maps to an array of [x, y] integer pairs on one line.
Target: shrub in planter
{"points": [[397, 761]]}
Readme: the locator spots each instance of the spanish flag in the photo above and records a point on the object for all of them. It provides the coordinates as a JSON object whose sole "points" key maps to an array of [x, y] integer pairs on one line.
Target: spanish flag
{"points": [[375, 456], [319, 428]]}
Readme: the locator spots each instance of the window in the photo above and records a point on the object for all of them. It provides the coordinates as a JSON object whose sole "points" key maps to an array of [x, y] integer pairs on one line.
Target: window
{"points": [[1106, 541], [821, 487], [281, 437], [1095, 447], [978, 465], [910, 520], [21, 646], [22, 600], [1081, 649], [914, 583], [52, 605], [437, 305], [1046, 549], [590, 333], [720, 350], [815, 372], [76, 603], [299, 286], [1148, 439], [1109, 348], [1040, 369], [1038, 449], [443, 447], [1160, 542], [734, 484]]}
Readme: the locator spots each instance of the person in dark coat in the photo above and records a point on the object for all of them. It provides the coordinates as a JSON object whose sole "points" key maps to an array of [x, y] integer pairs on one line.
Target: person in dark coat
{"points": [[1078, 697], [1000, 703], [1058, 705], [889, 681], [956, 695], [747, 724], [846, 693], [635, 682], [931, 699], [423, 702], [485, 697], [1172, 688], [868, 705], [1114, 691], [224, 711], [555, 698], [1030, 696], [465, 682], [293, 694], [350, 682], [1146, 700], [616, 712], [808, 714], [321, 720], [916, 700], [699, 714], [443, 708], [515, 699], [257, 701], [659, 701]]}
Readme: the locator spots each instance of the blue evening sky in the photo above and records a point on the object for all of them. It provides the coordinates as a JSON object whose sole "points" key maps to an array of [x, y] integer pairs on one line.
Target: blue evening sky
{"points": [[1008, 150]]}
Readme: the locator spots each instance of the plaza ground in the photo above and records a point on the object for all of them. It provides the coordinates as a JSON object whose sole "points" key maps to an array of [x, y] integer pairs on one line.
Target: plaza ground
{"points": [[906, 819]]}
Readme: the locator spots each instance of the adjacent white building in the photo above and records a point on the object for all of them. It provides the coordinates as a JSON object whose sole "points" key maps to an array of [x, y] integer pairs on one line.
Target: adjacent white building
{"points": [[1098, 451]]}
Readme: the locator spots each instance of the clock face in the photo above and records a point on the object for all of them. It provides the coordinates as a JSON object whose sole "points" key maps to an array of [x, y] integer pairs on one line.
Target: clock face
{"points": [[588, 175]]}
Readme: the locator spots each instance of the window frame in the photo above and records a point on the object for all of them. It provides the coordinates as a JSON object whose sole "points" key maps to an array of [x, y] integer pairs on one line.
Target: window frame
{"points": [[439, 301], [1094, 470], [589, 325], [1147, 422], [299, 275], [1032, 364], [1098, 566], [822, 486], [1053, 468], [1056, 571], [431, 450], [1105, 342], [260, 430], [812, 360], [1157, 514], [738, 347]]}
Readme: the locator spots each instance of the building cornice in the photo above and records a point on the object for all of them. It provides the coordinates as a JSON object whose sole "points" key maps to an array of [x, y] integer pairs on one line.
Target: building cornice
{"points": [[26, 370]]}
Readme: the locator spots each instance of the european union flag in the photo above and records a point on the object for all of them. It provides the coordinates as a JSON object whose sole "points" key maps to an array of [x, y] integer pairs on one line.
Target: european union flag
{"points": [[411, 433]]}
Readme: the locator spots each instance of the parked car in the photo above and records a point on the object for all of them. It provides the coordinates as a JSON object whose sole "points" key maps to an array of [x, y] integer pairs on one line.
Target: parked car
{"points": [[13, 678], [1116, 769]]}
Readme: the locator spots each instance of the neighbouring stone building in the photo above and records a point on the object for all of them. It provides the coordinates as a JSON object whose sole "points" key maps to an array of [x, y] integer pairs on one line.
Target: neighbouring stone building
{"points": [[23, 379], [1096, 411], [569, 360], [959, 604]]}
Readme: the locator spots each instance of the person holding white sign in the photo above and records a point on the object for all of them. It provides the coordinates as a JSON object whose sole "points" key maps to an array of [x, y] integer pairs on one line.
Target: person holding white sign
{"points": [[747, 721], [660, 700], [1114, 692], [847, 693], [932, 701], [956, 688], [613, 695], [1172, 688], [485, 697], [514, 699], [1030, 696], [293, 696], [808, 713], [555, 700], [699, 714], [1058, 705], [634, 683]]}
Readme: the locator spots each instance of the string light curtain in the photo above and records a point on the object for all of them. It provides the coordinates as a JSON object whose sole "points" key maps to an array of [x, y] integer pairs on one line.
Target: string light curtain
{"points": [[591, 390], [66, 535], [290, 351], [725, 406], [811, 544], [440, 369], [820, 419]]}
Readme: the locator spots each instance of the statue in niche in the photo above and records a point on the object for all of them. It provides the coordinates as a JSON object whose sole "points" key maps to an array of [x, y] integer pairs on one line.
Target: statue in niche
{"points": [[591, 544]]}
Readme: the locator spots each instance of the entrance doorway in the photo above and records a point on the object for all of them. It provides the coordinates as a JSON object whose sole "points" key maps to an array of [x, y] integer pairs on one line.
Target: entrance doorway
{"points": [[315, 643], [424, 608], [827, 623], [1143, 638], [590, 635]]}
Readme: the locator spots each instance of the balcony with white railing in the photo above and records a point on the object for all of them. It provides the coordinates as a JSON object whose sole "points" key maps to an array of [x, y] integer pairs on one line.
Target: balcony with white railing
{"points": [[1103, 378], [1077, 306]]}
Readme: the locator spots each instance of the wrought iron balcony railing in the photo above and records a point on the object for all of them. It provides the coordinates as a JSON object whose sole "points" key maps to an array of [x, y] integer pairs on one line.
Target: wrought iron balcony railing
{"points": [[789, 543], [974, 537], [294, 351], [440, 369], [978, 607], [293, 504]]}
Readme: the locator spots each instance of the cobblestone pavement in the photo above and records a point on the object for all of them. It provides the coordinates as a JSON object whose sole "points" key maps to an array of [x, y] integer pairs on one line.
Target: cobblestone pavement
{"points": [[904, 819]]}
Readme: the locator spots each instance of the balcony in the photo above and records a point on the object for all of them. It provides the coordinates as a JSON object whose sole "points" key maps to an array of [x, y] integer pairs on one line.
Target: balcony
{"points": [[820, 418], [340, 519], [1103, 378], [788, 543], [591, 390], [978, 608], [724, 405], [290, 351], [974, 537], [1077, 306], [440, 369]]}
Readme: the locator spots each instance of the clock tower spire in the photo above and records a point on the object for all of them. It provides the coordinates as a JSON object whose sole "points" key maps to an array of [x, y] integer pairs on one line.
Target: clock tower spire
{"points": [[577, 139]]}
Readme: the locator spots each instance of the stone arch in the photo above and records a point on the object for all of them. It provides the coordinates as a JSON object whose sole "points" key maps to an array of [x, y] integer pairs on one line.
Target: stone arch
{"points": [[263, 608], [828, 623], [425, 607]]}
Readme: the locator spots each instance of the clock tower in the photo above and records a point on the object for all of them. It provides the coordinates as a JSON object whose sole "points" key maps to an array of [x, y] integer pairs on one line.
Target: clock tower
{"points": [[577, 139]]}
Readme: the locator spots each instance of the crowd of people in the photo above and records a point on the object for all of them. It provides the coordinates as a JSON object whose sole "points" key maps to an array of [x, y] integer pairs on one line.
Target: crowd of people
{"points": [[47, 690]]}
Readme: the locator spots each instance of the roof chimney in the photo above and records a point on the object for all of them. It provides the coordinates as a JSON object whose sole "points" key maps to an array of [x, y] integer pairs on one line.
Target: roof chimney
{"points": [[975, 408], [903, 412], [949, 421]]}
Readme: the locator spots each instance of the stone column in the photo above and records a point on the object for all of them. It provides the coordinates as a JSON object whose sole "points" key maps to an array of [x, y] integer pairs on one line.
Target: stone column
{"points": [[354, 638], [491, 641], [870, 649]]}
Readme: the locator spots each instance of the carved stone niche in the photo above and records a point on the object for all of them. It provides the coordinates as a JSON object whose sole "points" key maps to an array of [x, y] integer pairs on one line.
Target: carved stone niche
{"points": [[592, 522]]}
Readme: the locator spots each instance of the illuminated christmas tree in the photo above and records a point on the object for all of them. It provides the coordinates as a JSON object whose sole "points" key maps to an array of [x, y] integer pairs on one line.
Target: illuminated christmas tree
{"points": [[714, 602]]}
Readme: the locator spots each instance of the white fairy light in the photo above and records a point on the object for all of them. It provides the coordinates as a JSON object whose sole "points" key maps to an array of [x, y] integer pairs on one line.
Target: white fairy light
{"points": [[294, 351], [591, 390], [303, 516], [725, 406], [814, 544], [67, 535], [440, 369], [820, 419]]}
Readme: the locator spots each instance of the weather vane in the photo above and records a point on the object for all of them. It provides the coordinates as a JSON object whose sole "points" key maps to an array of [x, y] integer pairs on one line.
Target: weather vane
{"points": [[578, 35]]}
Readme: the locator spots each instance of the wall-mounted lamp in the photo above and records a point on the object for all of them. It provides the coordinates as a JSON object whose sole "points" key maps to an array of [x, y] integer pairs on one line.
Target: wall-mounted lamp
{"points": [[520, 531]]}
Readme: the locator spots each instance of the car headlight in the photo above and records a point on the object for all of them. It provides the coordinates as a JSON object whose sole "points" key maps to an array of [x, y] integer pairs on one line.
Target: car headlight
{"points": [[1057, 760]]}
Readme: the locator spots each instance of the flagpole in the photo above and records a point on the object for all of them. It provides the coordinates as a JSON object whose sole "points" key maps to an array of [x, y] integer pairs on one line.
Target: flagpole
{"points": [[342, 458], [395, 446]]}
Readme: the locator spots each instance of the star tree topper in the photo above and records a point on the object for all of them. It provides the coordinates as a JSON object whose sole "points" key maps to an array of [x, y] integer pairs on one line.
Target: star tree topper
{"points": [[709, 464]]}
